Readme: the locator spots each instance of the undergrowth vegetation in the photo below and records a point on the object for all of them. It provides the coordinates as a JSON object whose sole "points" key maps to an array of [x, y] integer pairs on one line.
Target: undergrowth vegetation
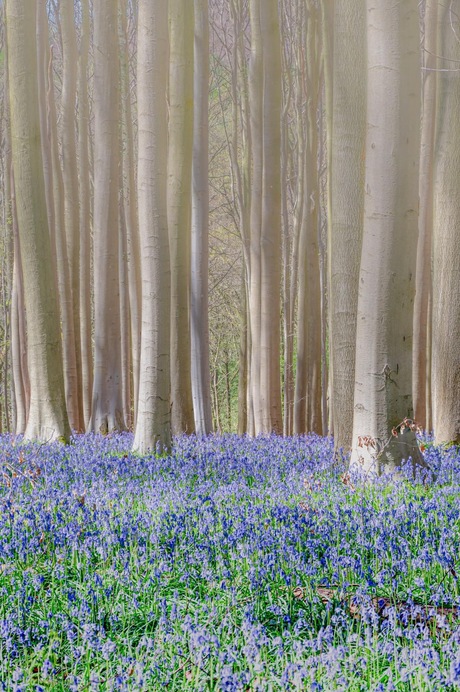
{"points": [[233, 564]]}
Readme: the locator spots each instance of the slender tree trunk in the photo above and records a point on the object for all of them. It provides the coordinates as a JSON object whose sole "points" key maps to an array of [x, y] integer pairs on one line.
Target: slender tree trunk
{"points": [[54, 193], [153, 427], [20, 384], [107, 405], [47, 415], [270, 240], [328, 24], [71, 196], [255, 91], [383, 388], [130, 207], [125, 332], [20, 368], [243, 361], [239, 147], [84, 219], [307, 407], [348, 143], [199, 321], [446, 237], [421, 363], [179, 208]]}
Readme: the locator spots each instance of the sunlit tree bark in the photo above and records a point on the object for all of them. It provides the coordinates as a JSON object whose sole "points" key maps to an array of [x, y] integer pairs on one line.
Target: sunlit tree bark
{"points": [[420, 359], [70, 189], [446, 236], [20, 368], [307, 408], [255, 93], [346, 173], [85, 281], [107, 407], [54, 191], [199, 321], [270, 237], [153, 428], [383, 370], [7, 243], [130, 207], [293, 151], [179, 208], [47, 415], [327, 51]]}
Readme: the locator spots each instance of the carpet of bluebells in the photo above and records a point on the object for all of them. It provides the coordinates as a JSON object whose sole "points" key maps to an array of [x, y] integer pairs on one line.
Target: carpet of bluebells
{"points": [[233, 564]]}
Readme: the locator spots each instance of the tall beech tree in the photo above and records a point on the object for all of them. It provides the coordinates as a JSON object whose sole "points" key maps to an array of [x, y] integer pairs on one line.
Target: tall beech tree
{"points": [[255, 104], [270, 234], [85, 282], [265, 217], [47, 418], [153, 427], [346, 172], [446, 236], [70, 189], [107, 405], [307, 406], [383, 370], [54, 191], [179, 207], [130, 202], [199, 320], [423, 295]]}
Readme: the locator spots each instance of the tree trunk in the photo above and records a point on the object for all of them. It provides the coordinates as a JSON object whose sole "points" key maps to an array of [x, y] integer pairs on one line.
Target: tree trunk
{"points": [[307, 408], [421, 364], [383, 369], [85, 219], [328, 25], [179, 208], [71, 196], [446, 237], [107, 405], [153, 428], [347, 205], [47, 415], [125, 331], [54, 192], [255, 91], [130, 208], [199, 320], [20, 368], [243, 361]]}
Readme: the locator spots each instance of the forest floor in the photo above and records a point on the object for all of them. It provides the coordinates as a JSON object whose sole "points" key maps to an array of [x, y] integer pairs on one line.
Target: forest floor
{"points": [[233, 564]]}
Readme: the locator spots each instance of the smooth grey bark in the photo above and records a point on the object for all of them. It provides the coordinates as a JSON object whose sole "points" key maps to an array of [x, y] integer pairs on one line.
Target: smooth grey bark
{"points": [[130, 210], [446, 235], [107, 405], [348, 141], [20, 368], [54, 192], [270, 236], [199, 308], [47, 418], [71, 193], [307, 400], [153, 426], [421, 361], [383, 367], [85, 282], [179, 208], [255, 94]]}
